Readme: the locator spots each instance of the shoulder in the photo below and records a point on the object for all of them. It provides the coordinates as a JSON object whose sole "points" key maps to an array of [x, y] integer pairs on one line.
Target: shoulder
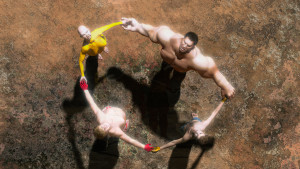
{"points": [[116, 132], [164, 34], [201, 62], [85, 48], [187, 136]]}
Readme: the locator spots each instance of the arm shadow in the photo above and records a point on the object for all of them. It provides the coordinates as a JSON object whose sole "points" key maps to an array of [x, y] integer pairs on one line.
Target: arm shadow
{"points": [[155, 102], [180, 154]]}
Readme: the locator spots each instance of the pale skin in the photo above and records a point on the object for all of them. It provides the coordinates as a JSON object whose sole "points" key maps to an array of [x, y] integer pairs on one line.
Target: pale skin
{"points": [[113, 121], [196, 130], [181, 53]]}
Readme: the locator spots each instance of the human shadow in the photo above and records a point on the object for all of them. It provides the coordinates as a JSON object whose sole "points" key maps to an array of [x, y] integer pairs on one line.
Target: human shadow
{"points": [[155, 102], [180, 154], [104, 153]]}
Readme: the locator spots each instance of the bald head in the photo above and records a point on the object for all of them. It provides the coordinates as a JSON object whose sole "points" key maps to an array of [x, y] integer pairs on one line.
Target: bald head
{"points": [[84, 32]]}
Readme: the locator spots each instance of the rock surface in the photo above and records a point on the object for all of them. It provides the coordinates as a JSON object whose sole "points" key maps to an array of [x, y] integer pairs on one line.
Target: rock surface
{"points": [[46, 123]]}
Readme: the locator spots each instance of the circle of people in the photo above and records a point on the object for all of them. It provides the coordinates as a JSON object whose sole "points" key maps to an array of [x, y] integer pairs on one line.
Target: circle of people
{"points": [[180, 52]]}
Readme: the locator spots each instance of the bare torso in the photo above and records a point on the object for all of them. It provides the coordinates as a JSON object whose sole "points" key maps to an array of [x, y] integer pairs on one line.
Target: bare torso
{"points": [[195, 124], [116, 117], [182, 62]]}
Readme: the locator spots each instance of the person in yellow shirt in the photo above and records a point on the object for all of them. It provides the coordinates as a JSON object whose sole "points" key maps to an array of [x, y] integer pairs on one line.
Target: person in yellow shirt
{"points": [[94, 43]]}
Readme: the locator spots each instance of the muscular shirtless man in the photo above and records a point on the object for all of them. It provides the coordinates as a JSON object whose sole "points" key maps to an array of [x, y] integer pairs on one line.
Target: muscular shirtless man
{"points": [[181, 52], [112, 121]]}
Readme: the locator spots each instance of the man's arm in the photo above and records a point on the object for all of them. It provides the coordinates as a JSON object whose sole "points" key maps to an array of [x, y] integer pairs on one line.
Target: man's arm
{"points": [[207, 68], [214, 113], [102, 29], [160, 34]]}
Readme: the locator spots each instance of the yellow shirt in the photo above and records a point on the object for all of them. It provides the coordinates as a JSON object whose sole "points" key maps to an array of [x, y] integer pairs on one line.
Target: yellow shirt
{"points": [[96, 45]]}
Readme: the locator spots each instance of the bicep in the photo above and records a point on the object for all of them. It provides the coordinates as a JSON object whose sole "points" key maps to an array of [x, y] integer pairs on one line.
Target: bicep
{"points": [[205, 66], [84, 50], [161, 35]]}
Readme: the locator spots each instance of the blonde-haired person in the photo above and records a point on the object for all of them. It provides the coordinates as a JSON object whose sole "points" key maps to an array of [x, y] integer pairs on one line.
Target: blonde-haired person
{"points": [[112, 121], [194, 130]]}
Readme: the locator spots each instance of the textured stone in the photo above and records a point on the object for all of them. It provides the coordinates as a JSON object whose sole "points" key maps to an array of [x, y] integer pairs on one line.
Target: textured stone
{"points": [[46, 123]]}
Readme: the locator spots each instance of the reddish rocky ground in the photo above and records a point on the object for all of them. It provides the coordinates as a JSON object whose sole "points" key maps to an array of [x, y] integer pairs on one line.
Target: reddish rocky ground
{"points": [[45, 122]]}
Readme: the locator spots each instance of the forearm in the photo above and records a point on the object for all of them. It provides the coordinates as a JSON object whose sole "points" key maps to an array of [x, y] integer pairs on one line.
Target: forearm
{"points": [[91, 101], [144, 29], [135, 143], [220, 80], [213, 114], [172, 143], [81, 59], [102, 29]]}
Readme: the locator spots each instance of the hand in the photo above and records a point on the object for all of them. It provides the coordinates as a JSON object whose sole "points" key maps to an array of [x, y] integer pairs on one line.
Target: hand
{"points": [[87, 36], [106, 49], [83, 78], [130, 24], [155, 150], [148, 147], [228, 93], [100, 56], [83, 85]]}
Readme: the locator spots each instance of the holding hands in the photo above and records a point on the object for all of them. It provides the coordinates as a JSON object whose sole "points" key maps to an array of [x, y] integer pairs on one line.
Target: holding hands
{"points": [[83, 78], [148, 147], [228, 92], [155, 150], [83, 85], [130, 24]]}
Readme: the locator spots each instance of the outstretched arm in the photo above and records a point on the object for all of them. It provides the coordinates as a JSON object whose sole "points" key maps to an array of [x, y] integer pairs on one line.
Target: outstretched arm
{"points": [[185, 138], [81, 59], [207, 68], [84, 50], [160, 34], [214, 113], [89, 98], [134, 142], [102, 29]]}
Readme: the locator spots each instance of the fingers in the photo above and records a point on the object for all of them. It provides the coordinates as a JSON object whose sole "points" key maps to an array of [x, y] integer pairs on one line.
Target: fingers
{"points": [[83, 79]]}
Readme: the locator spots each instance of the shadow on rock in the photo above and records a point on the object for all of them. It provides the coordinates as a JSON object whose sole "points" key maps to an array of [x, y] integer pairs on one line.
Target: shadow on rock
{"points": [[77, 105], [180, 154], [155, 102], [104, 153]]}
